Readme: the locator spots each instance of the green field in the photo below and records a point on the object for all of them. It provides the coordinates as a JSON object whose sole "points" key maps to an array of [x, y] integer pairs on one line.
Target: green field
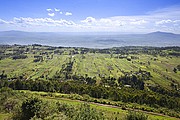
{"points": [[88, 64], [113, 81]]}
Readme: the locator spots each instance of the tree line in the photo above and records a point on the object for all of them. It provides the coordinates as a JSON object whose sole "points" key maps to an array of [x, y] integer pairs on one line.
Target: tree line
{"points": [[97, 91]]}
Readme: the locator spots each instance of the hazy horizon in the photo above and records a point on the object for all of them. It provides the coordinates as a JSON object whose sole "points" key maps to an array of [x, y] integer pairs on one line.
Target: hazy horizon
{"points": [[90, 40], [93, 32]]}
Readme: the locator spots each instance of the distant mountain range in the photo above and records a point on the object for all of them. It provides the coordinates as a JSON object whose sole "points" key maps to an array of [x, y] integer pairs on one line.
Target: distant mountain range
{"points": [[83, 33], [92, 40]]}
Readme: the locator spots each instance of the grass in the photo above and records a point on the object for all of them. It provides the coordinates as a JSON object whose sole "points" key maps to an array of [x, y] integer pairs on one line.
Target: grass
{"points": [[110, 111], [93, 65], [4, 116]]}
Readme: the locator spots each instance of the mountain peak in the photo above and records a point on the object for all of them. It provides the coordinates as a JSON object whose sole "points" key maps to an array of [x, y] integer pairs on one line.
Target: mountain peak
{"points": [[161, 33]]}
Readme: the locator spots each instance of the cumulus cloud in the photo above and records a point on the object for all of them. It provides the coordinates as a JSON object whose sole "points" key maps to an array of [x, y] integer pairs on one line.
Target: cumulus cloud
{"points": [[68, 13], [167, 19], [57, 10], [138, 22], [51, 14], [49, 9], [3, 21], [89, 20], [29, 22]]}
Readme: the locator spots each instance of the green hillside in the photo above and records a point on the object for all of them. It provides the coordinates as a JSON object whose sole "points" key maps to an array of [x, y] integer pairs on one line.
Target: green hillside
{"points": [[114, 80], [47, 63]]}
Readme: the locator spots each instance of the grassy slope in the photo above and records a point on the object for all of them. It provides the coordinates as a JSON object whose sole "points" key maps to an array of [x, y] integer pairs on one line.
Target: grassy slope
{"points": [[111, 112]]}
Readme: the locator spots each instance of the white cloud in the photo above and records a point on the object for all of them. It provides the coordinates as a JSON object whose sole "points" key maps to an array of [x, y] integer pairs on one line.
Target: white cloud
{"points": [[167, 19], [68, 14], [57, 10], [102, 23], [29, 22], [51, 14], [49, 10], [163, 21], [3, 21], [138, 22], [89, 20]]}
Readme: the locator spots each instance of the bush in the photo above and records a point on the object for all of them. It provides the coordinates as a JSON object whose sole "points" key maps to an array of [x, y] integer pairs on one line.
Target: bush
{"points": [[10, 104], [54, 116], [37, 109], [29, 108], [85, 112], [136, 116]]}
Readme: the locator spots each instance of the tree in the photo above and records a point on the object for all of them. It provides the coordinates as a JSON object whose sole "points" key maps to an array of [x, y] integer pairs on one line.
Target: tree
{"points": [[178, 67], [29, 108], [175, 70]]}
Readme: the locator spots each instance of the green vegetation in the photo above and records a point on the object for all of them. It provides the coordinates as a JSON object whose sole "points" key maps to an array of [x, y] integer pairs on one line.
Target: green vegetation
{"points": [[112, 82], [136, 116], [43, 105]]}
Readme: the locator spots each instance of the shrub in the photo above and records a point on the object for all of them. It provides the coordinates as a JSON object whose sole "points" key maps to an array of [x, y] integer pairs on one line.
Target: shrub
{"points": [[37, 109], [29, 108], [136, 116], [10, 104], [55, 116], [85, 112]]}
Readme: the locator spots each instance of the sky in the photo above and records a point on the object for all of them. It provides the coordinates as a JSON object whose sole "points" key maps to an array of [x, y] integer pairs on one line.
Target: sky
{"points": [[124, 16]]}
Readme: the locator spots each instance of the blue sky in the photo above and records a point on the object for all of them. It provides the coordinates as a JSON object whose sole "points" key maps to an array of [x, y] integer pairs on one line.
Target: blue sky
{"points": [[135, 16]]}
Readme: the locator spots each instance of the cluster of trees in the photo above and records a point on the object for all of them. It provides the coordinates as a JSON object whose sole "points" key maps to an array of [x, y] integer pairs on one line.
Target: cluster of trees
{"points": [[176, 69], [116, 94], [136, 116], [66, 71], [108, 82], [33, 108], [19, 57], [164, 91], [38, 58], [136, 79], [174, 54], [3, 75], [18, 50], [84, 79], [133, 81]]}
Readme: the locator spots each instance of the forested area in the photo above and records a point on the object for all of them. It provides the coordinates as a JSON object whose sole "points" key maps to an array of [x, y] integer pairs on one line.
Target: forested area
{"points": [[124, 94], [39, 106]]}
